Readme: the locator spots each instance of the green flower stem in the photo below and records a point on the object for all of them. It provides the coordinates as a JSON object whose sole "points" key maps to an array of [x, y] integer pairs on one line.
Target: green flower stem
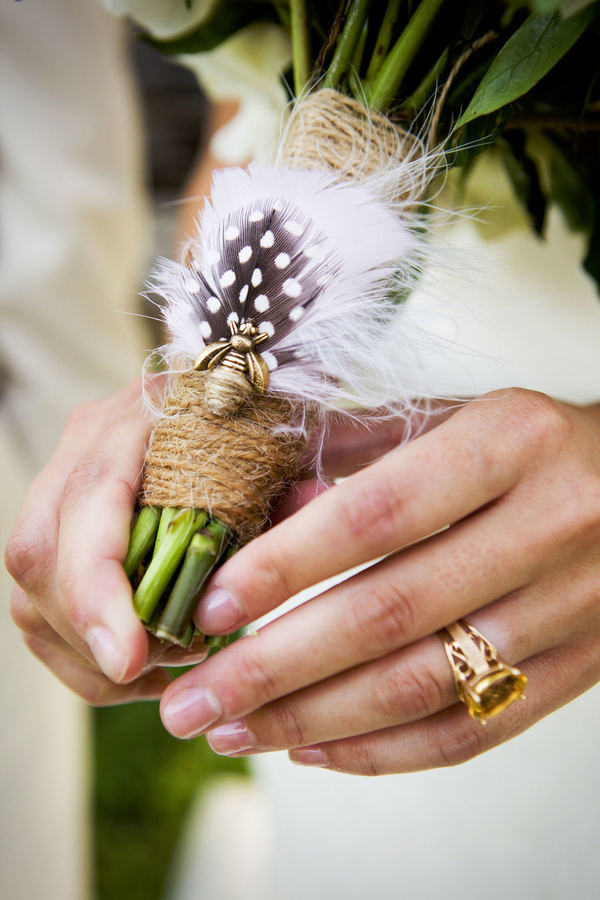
{"points": [[201, 556], [141, 540], [384, 39], [356, 86], [348, 40], [218, 642], [167, 516], [187, 638], [385, 87], [424, 91], [354, 80], [165, 561], [300, 45], [232, 549], [282, 10], [152, 625], [360, 48]]}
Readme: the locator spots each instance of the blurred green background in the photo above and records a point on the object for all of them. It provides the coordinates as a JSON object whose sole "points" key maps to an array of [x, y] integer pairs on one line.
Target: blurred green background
{"points": [[143, 783]]}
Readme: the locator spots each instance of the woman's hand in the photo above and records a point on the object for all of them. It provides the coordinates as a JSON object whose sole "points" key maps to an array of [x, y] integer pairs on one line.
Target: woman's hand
{"points": [[73, 600], [356, 679]]}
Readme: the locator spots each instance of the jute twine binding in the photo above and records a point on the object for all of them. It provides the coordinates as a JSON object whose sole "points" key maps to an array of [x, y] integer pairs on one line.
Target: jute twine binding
{"points": [[236, 467], [331, 132]]}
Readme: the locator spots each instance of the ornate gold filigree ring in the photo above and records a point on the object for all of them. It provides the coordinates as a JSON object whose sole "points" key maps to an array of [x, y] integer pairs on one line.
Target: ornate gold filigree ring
{"points": [[484, 681]]}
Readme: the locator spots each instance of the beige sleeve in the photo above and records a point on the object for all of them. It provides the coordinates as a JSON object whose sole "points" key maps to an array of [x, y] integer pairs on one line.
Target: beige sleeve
{"points": [[72, 224], [72, 216]]}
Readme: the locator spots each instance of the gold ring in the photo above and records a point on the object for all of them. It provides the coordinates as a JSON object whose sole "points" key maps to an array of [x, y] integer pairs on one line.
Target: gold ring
{"points": [[483, 680]]}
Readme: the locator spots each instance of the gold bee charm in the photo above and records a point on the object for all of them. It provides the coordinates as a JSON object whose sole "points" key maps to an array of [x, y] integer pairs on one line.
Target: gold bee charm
{"points": [[236, 369]]}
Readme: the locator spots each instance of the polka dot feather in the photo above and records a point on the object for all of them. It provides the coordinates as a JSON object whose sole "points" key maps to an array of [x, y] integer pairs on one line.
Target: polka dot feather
{"points": [[257, 264]]}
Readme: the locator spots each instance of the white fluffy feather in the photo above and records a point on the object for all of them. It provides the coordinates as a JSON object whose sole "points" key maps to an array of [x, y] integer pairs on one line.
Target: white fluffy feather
{"points": [[354, 355]]}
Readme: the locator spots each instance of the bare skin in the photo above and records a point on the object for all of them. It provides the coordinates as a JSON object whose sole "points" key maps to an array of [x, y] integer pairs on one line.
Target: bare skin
{"points": [[355, 679]]}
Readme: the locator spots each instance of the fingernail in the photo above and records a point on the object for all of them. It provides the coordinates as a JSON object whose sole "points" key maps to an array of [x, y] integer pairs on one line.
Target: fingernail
{"points": [[190, 711], [219, 611], [310, 756], [231, 738], [107, 652]]}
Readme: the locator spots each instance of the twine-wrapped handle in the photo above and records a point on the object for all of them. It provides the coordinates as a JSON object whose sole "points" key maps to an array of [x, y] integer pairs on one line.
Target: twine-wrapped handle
{"points": [[234, 467], [334, 133]]}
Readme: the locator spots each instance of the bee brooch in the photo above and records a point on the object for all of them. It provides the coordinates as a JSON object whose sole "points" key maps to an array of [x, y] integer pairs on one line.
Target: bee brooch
{"points": [[236, 369]]}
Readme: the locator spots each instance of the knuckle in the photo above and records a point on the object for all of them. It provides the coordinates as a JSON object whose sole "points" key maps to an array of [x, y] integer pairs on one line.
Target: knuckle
{"points": [[97, 692], [540, 419], [273, 565], [407, 694], [457, 745], [290, 725], [584, 509], [371, 514], [380, 619], [253, 676], [94, 472], [24, 614], [354, 757], [84, 476], [25, 554]]}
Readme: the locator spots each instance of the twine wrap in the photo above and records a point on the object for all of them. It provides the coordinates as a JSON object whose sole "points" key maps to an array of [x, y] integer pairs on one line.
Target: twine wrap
{"points": [[235, 468], [335, 133]]}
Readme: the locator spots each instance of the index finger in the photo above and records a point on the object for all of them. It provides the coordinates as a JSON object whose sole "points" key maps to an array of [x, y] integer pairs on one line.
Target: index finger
{"points": [[413, 491], [350, 443], [94, 594]]}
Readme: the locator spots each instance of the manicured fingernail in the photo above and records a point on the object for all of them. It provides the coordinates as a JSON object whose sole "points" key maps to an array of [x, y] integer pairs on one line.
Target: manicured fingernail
{"points": [[310, 756], [231, 738], [219, 611], [190, 711], [107, 652]]}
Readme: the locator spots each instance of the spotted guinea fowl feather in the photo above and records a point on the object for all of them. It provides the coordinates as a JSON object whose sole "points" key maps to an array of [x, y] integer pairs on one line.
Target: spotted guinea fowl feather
{"points": [[262, 269], [314, 264]]}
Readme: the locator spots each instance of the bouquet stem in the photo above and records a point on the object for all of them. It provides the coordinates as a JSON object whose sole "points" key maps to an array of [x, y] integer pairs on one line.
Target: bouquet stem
{"points": [[171, 553], [142, 540], [300, 44], [201, 557], [349, 38], [385, 87], [384, 39], [166, 560]]}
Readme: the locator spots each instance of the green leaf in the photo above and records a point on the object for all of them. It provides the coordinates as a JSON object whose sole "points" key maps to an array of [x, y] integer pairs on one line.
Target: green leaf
{"points": [[524, 178], [475, 138], [570, 7], [228, 17], [569, 191], [544, 6], [527, 56]]}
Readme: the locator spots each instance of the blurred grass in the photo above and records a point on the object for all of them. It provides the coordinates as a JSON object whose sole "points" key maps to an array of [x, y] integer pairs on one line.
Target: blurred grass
{"points": [[143, 782]]}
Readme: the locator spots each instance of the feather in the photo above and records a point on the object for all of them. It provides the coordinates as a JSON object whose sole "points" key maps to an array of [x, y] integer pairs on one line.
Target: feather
{"points": [[316, 264]]}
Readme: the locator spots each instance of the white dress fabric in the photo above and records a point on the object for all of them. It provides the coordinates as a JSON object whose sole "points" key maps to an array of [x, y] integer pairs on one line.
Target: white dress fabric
{"points": [[72, 227]]}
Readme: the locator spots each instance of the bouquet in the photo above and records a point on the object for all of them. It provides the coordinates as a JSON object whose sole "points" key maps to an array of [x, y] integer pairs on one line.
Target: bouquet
{"points": [[281, 310]]}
